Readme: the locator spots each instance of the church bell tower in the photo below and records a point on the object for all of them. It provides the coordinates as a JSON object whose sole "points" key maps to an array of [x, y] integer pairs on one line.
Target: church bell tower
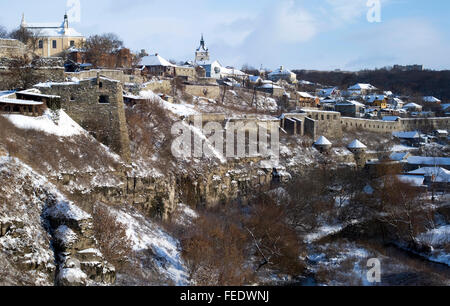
{"points": [[202, 53]]}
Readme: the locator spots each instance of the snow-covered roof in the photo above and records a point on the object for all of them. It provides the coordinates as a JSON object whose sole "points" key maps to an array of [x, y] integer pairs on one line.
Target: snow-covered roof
{"points": [[407, 135], [254, 78], [156, 60], [412, 105], [51, 29], [373, 98], [391, 118], [328, 91], [270, 86], [232, 71], [413, 180], [429, 161], [18, 101], [442, 132], [280, 71], [399, 156], [356, 144], [356, 103], [440, 175], [305, 95], [431, 99], [362, 86], [323, 141], [36, 92]]}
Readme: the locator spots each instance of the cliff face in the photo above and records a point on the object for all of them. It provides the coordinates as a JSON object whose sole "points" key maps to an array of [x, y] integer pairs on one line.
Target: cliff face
{"points": [[44, 239]]}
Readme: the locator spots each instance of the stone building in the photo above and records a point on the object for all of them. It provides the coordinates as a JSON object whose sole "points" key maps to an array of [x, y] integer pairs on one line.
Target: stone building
{"points": [[97, 105], [54, 38]]}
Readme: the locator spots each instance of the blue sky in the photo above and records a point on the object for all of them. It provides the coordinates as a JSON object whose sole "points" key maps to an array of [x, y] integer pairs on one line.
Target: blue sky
{"points": [[299, 34]]}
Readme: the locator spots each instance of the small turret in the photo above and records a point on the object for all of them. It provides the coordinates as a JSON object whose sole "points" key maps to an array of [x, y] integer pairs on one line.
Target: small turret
{"points": [[323, 144]]}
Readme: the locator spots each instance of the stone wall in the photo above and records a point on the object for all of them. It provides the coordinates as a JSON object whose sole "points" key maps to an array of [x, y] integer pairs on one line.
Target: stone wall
{"points": [[207, 91], [408, 124], [11, 48], [97, 105], [41, 70], [159, 86], [117, 75]]}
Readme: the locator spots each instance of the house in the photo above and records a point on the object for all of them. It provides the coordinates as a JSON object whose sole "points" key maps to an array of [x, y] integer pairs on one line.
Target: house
{"points": [[435, 177], [155, 65], [29, 102], [400, 156], [350, 108], [441, 134], [413, 107], [408, 138], [361, 89], [54, 38], [216, 71], [380, 101], [255, 80], [305, 99], [282, 74], [272, 89], [396, 103], [415, 162], [328, 92]]}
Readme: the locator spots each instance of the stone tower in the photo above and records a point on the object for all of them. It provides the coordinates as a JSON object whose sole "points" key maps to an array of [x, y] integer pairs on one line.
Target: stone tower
{"points": [[202, 53]]}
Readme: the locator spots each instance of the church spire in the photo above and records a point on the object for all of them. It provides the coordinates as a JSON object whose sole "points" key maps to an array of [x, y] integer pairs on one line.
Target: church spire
{"points": [[66, 21], [23, 23]]}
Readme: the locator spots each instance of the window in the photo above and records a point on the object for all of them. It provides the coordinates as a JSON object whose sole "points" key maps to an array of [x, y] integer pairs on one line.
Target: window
{"points": [[54, 44], [100, 85], [41, 44], [103, 99], [72, 43]]}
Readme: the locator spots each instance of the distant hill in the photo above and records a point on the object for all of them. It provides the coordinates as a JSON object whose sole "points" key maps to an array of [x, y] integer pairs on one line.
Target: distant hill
{"points": [[426, 83]]}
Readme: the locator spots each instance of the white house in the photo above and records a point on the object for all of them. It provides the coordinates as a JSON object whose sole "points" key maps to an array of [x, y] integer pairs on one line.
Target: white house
{"points": [[361, 89], [283, 74]]}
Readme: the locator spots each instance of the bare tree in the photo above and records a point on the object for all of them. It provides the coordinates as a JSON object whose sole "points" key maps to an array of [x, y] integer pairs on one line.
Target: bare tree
{"points": [[96, 47], [138, 56], [3, 32], [29, 38]]}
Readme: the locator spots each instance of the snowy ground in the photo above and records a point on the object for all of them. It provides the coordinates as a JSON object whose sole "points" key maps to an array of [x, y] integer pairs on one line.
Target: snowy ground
{"points": [[57, 123], [145, 234]]}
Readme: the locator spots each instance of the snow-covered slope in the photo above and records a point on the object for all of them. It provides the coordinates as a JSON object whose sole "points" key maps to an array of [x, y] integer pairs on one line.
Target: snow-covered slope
{"points": [[52, 122]]}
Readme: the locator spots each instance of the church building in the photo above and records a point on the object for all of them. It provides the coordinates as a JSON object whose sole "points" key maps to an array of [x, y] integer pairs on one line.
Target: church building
{"points": [[54, 38]]}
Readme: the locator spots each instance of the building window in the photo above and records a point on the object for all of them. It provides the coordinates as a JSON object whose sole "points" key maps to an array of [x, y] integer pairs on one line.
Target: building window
{"points": [[103, 99], [72, 43], [100, 85], [41, 44], [54, 44]]}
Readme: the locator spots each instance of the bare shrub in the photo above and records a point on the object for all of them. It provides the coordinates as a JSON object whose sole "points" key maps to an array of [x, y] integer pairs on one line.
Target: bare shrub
{"points": [[112, 237], [149, 128], [215, 250], [274, 241]]}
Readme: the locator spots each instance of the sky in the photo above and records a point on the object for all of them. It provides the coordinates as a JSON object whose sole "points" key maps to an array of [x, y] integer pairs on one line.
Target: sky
{"points": [[297, 34]]}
